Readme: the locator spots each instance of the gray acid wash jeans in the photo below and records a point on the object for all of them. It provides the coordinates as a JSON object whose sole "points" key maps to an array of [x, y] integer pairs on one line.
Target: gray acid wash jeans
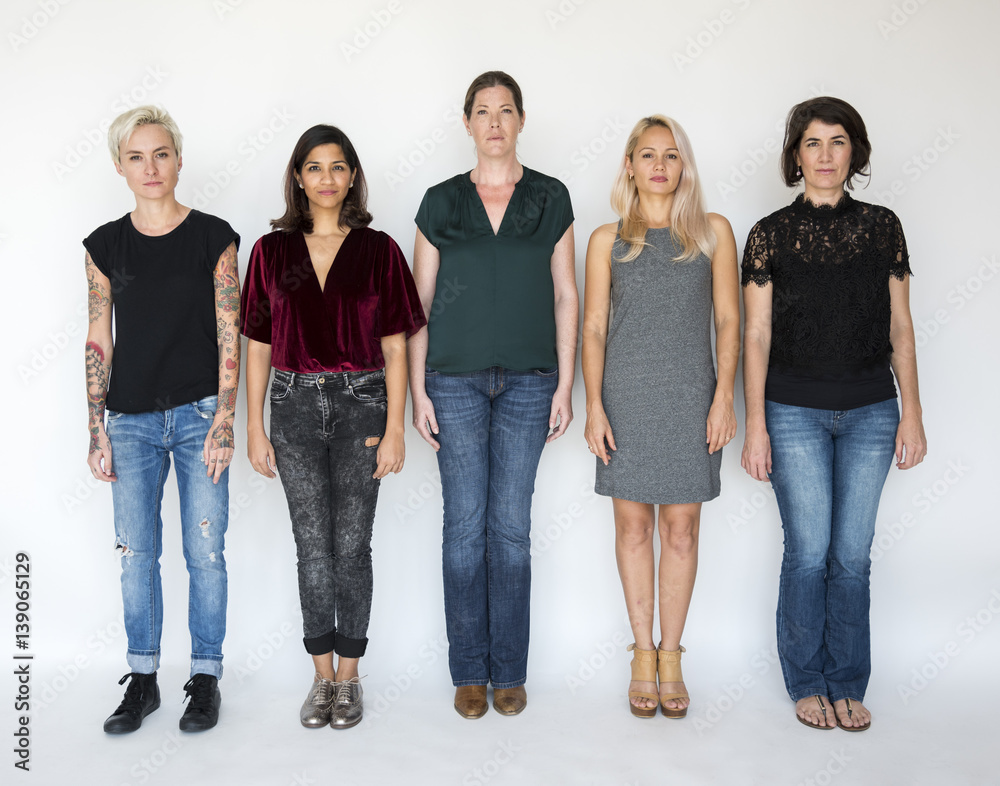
{"points": [[321, 428]]}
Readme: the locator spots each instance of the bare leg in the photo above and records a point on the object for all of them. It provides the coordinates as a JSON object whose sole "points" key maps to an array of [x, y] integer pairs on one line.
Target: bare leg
{"points": [[634, 553], [347, 669], [324, 665], [678, 528]]}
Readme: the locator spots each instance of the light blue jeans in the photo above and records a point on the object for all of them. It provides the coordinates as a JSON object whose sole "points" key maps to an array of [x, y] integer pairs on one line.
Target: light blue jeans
{"points": [[827, 471], [493, 424], [141, 445]]}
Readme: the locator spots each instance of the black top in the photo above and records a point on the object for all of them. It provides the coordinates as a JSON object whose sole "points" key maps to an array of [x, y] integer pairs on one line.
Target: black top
{"points": [[166, 350], [494, 300], [830, 267]]}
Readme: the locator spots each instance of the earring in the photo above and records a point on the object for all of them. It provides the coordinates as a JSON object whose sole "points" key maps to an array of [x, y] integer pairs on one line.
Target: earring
{"points": [[351, 185], [301, 186], [798, 172]]}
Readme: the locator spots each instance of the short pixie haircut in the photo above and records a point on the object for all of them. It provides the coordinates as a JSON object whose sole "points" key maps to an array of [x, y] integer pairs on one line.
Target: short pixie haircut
{"points": [[127, 122], [832, 111], [493, 79]]}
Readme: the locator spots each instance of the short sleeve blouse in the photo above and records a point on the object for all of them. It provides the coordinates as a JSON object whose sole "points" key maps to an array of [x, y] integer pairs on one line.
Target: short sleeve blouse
{"points": [[369, 293], [830, 268], [494, 295]]}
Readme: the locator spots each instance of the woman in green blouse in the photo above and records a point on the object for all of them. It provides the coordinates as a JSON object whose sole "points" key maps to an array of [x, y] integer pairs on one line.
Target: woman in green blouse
{"points": [[491, 378]]}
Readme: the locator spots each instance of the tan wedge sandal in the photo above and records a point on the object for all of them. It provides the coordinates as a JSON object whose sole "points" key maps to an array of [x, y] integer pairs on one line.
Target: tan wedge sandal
{"points": [[643, 670], [669, 670]]}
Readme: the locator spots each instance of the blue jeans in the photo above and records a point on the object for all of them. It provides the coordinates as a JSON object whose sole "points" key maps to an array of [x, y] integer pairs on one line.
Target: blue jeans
{"points": [[141, 445], [827, 470], [319, 426], [493, 424]]}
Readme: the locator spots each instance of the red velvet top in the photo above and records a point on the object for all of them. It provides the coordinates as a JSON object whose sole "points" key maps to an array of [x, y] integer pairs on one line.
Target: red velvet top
{"points": [[369, 293]]}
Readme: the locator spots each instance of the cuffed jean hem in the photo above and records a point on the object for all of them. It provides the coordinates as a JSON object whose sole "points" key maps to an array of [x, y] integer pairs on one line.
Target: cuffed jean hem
{"points": [[842, 694], [465, 683], [206, 664], [505, 685], [335, 642], [142, 661]]}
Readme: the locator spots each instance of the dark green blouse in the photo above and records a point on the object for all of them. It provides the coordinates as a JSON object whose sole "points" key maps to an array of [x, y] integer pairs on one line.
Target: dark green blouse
{"points": [[494, 297]]}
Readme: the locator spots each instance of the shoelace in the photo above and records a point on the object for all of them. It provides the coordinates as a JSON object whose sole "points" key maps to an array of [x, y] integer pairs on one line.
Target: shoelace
{"points": [[344, 694], [132, 703], [322, 692], [201, 693]]}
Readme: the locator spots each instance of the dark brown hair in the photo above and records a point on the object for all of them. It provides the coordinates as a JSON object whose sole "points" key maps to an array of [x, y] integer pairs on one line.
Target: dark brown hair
{"points": [[354, 211], [493, 79], [832, 111]]}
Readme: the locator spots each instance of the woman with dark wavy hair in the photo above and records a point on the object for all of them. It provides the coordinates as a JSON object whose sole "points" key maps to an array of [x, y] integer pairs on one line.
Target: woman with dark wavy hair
{"points": [[328, 303], [826, 290]]}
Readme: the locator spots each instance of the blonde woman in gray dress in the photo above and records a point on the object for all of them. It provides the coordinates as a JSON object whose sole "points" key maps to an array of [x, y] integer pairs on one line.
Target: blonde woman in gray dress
{"points": [[657, 417]]}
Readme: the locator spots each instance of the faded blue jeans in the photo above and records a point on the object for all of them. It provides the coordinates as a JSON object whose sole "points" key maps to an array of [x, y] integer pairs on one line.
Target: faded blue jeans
{"points": [[827, 470], [493, 424], [141, 446]]}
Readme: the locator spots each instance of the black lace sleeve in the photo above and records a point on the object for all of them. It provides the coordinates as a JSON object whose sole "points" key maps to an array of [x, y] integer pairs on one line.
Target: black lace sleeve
{"points": [[757, 257], [899, 265]]}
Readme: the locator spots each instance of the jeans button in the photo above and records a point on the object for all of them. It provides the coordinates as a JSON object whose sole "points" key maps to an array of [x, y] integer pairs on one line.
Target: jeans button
{"points": [[322, 380]]}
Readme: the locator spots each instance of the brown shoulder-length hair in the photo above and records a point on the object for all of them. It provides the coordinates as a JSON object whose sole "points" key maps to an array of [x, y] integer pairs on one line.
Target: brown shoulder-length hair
{"points": [[353, 213], [832, 111], [493, 79]]}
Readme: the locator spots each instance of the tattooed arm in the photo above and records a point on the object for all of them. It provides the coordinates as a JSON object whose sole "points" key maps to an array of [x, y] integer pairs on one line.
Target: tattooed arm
{"points": [[218, 450], [98, 356]]}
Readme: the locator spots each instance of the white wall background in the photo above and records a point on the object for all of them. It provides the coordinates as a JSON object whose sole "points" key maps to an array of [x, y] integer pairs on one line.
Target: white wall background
{"points": [[244, 79]]}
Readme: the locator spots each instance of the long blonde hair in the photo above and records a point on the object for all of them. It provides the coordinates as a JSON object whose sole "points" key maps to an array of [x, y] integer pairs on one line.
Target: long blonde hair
{"points": [[689, 223]]}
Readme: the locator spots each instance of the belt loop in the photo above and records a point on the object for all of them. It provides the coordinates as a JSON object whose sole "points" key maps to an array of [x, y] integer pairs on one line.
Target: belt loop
{"points": [[291, 379]]}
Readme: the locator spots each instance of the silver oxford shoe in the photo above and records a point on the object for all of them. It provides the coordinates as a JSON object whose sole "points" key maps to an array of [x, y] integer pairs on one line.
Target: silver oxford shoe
{"points": [[348, 706], [318, 706]]}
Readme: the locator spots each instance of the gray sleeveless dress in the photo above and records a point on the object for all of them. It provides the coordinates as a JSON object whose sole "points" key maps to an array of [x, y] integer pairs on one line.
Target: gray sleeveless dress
{"points": [[659, 379]]}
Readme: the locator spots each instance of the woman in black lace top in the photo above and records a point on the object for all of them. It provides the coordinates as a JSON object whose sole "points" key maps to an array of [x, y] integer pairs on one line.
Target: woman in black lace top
{"points": [[827, 316]]}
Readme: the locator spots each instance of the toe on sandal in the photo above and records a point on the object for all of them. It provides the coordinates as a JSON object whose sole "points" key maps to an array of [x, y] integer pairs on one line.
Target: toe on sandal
{"points": [[850, 712], [643, 670], [811, 725], [669, 670]]}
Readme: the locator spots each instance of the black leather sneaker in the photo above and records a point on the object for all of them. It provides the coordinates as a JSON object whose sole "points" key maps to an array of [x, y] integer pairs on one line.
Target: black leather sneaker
{"points": [[202, 711], [141, 698]]}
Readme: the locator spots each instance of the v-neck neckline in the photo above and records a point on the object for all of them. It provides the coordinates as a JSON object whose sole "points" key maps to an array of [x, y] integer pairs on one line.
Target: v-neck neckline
{"points": [[322, 286], [510, 202]]}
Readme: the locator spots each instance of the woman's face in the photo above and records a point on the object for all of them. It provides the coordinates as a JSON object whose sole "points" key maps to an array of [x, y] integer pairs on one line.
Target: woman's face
{"points": [[494, 123], [149, 162], [824, 156], [326, 177], [656, 164]]}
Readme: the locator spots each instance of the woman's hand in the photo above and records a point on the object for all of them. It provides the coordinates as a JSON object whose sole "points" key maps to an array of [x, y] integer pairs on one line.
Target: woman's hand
{"points": [[721, 425], [756, 458], [561, 413], [217, 452], [261, 453], [911, 442], [598, 434], [391, 454], [424, 420]]}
